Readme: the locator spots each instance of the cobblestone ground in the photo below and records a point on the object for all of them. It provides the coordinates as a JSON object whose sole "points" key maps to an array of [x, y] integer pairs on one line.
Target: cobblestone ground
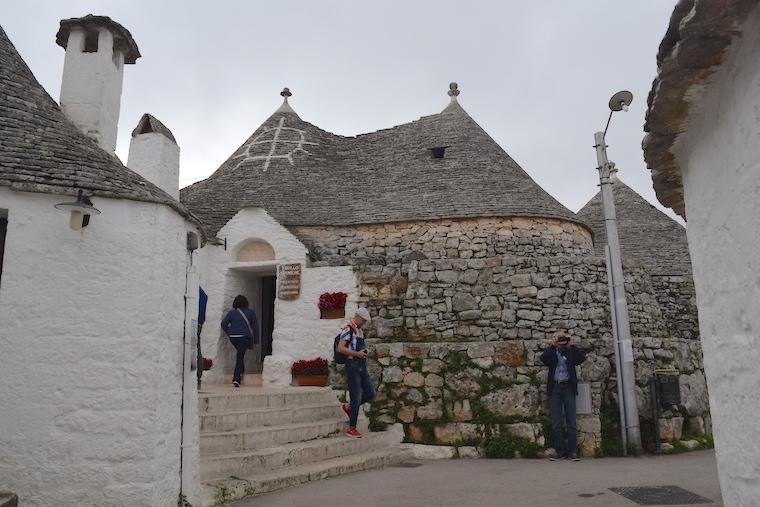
{"points": [[486, 483]]}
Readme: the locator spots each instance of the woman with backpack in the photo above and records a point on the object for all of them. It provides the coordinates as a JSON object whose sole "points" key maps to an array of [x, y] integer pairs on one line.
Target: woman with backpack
{"points": [[242, 328]]}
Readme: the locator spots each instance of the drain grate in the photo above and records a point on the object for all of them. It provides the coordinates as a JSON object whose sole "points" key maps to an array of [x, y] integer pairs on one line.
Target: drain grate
{"points": [[660, 495], [407, 465]]}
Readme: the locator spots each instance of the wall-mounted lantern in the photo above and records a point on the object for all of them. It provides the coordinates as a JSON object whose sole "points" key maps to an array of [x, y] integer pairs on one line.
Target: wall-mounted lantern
{"points": [[80, 211]]}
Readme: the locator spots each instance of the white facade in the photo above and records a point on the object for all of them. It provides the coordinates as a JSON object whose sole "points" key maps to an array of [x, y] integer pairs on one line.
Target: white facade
{"points": [[299, 333], [92, 325], [91, 87], [155, 157], [719, 158]]}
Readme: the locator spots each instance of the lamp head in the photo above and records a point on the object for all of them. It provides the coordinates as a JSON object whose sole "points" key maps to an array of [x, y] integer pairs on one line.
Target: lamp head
{"points": [[621, 100]]}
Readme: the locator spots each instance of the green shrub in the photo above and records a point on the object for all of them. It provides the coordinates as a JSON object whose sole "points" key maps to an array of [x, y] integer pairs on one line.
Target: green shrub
{"points": [[504, 445]]}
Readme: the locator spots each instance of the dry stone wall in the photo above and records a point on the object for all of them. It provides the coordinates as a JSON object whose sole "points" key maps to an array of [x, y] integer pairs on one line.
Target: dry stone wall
{"points": [[463, 309]]}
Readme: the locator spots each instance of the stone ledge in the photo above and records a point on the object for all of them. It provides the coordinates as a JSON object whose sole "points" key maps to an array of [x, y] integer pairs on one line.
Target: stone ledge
{"points": [[8, 499]]}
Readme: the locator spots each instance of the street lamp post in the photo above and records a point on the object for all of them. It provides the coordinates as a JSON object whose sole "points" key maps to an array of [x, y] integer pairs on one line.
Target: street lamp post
{"points": [[621, 331]]}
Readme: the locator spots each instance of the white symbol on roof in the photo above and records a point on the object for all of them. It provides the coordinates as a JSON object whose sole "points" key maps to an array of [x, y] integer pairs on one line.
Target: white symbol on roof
{"points": [[283, 143]]}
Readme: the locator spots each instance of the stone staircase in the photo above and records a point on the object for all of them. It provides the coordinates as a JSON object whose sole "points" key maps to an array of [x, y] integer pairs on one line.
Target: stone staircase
{"points": [[254, 440]]}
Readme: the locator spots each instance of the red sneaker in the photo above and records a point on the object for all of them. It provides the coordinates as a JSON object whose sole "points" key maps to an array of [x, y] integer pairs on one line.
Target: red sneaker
{"points": [[353, 432], [346, 409]]}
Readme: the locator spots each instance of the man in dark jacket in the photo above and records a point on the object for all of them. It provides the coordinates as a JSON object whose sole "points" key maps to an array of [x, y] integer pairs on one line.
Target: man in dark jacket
{"points": [[562, 386]]}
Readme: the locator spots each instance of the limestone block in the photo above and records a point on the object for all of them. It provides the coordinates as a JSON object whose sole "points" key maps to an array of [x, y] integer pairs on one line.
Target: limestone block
{"points": [[522, 430], [462, 301], [694, 397], [414, 379], [277, 370], [690, 444], [431, 411], [595, 368], [509, 315], [406, 414], [465, 383], [432, 365], [461, 411], [468, 452], [451, 433], [484, 363], [490, 303], [433, 380], [470, 315], [522, 280], [392, 374], [416, 350], [510, 354], [526, 292], [696, 425], [480, 350], [666, 447], [415, 396], [517, 400], [396, 349], [531, 315], [447, 276], [671, 429], [422, 451], [550, 293]]}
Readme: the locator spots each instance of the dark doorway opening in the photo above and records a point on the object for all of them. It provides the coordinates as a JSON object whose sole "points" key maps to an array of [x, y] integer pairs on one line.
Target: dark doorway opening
{"points": [[268, 295], [3, 229]]}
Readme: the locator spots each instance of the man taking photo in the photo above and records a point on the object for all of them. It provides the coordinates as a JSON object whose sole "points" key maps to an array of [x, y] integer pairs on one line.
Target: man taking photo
{"points": [[562, 386]]}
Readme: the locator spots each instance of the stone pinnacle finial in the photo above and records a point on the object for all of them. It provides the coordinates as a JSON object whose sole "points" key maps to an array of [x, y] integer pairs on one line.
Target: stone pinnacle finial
{"points": [[453, 90], [286, 93]]}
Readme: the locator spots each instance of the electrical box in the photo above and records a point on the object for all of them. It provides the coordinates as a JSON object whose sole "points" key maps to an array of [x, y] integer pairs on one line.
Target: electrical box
{"points": [[668, 387], [583, 400]]}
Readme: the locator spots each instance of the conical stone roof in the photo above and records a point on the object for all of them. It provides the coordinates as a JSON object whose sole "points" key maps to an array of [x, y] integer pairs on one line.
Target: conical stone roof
{"points": [[646, 233], [303, 175], [42, 151]]}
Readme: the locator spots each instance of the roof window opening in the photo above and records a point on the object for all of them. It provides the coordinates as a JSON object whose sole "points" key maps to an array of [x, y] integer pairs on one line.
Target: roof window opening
{"points": [[438, 151], [91, 41]]}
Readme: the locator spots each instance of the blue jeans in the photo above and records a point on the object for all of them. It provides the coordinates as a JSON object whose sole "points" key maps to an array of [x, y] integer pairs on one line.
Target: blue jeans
{"points": [[241, 346], [562, 400], [360, 387]]}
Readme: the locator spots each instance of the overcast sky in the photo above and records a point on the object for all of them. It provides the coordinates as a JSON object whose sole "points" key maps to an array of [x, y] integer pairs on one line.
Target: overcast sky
{"points": [[535, 75]]}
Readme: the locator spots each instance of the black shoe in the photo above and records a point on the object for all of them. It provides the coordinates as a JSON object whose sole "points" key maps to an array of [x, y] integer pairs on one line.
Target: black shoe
{"points": [[572, 457], [236, 383]]}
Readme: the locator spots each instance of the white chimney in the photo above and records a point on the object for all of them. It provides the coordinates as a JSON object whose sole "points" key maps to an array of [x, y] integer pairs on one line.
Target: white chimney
{"points": [[97, 48], [154, 154]]}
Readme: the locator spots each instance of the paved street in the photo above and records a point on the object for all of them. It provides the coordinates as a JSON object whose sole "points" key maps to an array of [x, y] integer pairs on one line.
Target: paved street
{"points": [[485, 483]]}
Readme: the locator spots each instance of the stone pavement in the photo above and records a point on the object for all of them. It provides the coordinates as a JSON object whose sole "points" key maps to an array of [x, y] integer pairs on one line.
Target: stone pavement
{"points": [[486, 483]]}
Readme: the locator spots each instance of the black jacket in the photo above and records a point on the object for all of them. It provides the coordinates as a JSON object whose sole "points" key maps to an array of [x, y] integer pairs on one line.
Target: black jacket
{"points": [[575, 356]]}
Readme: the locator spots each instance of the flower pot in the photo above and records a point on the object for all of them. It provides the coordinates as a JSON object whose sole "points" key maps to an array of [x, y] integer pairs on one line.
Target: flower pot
{"points": [[311, 380], [333, 313]]}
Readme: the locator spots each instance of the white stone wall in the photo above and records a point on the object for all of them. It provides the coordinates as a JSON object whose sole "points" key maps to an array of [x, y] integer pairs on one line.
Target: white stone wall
{"points": [[155, 157], [299, 333], [92, 344], [91, 87], [720, 160]]}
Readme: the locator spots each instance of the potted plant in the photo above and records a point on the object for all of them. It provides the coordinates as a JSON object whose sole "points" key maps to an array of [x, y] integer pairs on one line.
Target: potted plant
{"points": [[332, 305], [313, 372], [207, 363]]}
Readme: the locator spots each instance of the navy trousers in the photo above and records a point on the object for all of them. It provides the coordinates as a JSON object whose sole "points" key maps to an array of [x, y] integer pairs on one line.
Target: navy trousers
{"points": [[562, 407]]}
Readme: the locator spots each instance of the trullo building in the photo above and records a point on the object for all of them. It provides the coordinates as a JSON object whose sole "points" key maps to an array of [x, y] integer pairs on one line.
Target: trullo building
{"points": [[98, 399]]}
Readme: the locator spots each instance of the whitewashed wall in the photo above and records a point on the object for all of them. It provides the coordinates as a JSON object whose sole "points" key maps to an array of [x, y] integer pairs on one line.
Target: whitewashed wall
{"points": [[92, 342], [155, 157], [720, 160], [299, 333]]}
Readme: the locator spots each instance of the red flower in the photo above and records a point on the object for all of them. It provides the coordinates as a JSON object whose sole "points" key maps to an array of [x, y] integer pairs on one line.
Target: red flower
{"points": [[330, 300], [207, 363], [316, 366]]}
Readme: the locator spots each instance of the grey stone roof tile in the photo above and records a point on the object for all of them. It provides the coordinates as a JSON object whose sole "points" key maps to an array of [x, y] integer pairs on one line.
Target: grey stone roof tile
{"points": [[646, 233], [385, 176]]}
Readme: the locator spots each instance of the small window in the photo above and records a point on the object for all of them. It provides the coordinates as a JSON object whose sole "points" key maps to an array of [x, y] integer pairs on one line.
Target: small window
{"points": [[438, 152], [91, 41], [3, 228]]}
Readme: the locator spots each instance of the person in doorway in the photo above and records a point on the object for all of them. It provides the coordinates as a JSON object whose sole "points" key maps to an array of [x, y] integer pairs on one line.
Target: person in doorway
{"points": [[242, 328], [360, 387], [562, 386]]}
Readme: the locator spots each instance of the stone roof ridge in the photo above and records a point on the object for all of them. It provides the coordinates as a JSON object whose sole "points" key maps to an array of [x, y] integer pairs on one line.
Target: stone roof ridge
{"points": [[122, 38], [150, 124]]}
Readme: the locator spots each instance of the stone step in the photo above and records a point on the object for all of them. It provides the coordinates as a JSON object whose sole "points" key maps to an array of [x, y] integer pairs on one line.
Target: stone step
{"points": [[269, 436], [258, 417], [220, 491], [222, 399], [218, 466]]}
